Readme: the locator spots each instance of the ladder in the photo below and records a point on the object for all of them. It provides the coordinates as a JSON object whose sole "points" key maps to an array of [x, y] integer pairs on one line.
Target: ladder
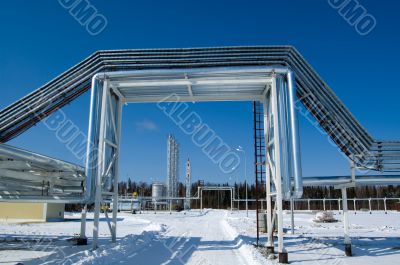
{"points": [[259, 156]]}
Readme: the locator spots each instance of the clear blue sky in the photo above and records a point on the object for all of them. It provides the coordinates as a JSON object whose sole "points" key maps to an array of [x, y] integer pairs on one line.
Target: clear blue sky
{"points": [[39, 41]]}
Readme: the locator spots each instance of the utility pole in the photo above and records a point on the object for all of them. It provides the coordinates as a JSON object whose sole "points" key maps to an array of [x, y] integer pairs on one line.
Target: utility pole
{"points": [[240, 149]]}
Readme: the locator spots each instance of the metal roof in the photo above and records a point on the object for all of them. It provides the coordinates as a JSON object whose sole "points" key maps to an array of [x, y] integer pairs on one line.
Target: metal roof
{"points": [[26, 175]]}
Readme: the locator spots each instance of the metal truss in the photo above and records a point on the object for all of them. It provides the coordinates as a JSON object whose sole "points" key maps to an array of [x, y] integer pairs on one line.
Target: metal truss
{"points": [[103, 151]]}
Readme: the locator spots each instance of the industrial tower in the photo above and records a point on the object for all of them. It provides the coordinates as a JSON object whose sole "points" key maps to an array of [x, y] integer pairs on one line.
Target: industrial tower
{"points": [[188, 180], [172, 166]]}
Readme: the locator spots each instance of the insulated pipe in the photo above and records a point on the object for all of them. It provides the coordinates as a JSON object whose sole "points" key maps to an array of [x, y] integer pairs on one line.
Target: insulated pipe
{"points": [[281, 138], [40, 160], [268, 182], [292, 215], [359, 180], [295, 139], [101, 163], [278, 173], [116, 171], [46, 87], [323, 91], [234, 69], [37, 178], [288, 136], [43, 195], [91, 152], [125, 59], [221, 52], [40, 104], [41, 199]]}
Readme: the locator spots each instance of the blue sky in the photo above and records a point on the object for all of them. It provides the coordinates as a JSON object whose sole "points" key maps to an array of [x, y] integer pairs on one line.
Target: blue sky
{"points": [[39, 41]]}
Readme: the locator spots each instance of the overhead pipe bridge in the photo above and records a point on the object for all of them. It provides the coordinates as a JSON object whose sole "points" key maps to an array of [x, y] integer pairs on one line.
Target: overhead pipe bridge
{"points": [[312, 91], [272, 75]]}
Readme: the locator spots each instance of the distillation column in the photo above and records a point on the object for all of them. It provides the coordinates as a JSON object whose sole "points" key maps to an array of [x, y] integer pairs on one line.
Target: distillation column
{"points": [[188, 182]]}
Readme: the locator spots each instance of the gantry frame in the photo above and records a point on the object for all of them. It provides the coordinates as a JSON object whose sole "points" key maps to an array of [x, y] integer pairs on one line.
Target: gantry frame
{"points": [[271, 85]]}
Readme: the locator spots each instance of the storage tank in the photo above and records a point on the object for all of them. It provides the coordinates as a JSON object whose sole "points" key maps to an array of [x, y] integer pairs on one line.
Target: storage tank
{"points": [[157, 191]]}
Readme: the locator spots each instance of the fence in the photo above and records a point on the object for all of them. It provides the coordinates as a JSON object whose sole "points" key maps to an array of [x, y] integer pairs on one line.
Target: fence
{"points": [[355, 204]]}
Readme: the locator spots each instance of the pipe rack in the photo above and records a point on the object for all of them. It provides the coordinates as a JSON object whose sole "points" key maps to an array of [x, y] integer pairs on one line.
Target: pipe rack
{"points": [[312, 91]]}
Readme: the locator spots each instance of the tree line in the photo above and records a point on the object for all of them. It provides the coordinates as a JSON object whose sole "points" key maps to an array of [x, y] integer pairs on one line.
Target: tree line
{"points": [[222, 199]]}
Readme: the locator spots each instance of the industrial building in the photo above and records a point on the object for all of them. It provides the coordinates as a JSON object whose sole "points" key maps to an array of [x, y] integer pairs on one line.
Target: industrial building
{"points": [[31, 212]]}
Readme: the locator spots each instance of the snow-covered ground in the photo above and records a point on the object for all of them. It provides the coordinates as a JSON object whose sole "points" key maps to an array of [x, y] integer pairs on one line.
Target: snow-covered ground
{"points": [[375, 238], [208, 238]]}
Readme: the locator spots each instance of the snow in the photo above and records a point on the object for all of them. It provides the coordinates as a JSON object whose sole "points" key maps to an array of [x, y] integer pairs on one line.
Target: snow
{"points": [[208, 238], [375, 238]]}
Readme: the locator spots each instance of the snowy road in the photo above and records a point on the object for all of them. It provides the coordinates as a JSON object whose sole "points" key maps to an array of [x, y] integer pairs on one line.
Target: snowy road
{"points": [[208, 239], [193, 238]]}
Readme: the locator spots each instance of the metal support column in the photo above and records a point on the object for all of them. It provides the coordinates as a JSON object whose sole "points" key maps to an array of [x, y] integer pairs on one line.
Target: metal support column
{"points": [[370, 206], [278, 176], [231, 200], [104, 152], [82, 240], [201, 201], [116, 172], [100, 165], [292, 214], [282, 152], [384, 205], [270, 239], [256, 129], [347, 240]]}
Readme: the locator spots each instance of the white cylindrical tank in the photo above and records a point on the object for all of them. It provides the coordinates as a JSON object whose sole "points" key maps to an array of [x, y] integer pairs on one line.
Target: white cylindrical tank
{"points": [[157, 190]]}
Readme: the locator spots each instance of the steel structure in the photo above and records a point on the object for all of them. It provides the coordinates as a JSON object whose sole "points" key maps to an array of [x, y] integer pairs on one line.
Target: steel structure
{"points": [[274, 86], [27, 176], [312, 91], [215, 188], [172, 166], [273, 75]]}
